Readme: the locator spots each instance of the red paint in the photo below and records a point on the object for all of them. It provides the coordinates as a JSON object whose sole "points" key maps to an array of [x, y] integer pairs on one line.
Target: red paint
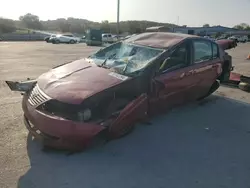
{"points": [[226, 44], [136, 110], [70, 134], [77, 81], [235, 76], [74, 82], [184, 85]]}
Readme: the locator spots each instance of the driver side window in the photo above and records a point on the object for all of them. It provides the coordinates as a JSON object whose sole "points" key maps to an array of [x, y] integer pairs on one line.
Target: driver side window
{"points": [[179, 58]]}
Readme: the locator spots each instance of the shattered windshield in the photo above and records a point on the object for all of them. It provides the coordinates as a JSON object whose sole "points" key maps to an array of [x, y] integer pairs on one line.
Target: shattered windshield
{"points": [[125, 58]]}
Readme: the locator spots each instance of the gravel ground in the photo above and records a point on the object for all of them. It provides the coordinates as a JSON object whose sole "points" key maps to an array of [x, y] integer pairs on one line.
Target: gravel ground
{"points": [[200, 145]]}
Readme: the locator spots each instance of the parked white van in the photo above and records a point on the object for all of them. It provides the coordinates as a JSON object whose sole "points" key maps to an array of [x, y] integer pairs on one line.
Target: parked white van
{"points": [[107, 37]]}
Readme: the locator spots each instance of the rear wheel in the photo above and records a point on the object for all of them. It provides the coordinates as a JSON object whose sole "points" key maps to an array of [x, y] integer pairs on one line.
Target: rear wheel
{"points": [[72, 41], [212, 89], [55, 41], [226, 71]]}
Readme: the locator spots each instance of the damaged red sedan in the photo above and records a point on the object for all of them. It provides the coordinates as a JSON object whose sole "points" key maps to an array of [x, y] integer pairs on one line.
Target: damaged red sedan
{"points": [[129, 81]]}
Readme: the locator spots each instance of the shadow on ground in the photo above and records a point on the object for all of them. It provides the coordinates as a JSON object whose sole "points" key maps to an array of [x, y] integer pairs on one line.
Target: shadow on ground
{"points": [[200, 145]]}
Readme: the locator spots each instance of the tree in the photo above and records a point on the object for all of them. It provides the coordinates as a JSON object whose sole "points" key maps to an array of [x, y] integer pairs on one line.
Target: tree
{"points": [[206, 25], [79, 26], [242, 26], [7, 25], [105, 26], [31, 21], [218, 34], [63, 25]]}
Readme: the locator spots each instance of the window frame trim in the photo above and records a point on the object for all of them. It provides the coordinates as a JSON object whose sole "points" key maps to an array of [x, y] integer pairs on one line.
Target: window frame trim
{"points": [[171, 50], [193, 51], [218, 51]]}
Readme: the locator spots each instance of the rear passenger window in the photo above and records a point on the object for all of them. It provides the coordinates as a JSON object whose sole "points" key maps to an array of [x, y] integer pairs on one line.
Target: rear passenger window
{"points": [[202, 51], [215, 51]]}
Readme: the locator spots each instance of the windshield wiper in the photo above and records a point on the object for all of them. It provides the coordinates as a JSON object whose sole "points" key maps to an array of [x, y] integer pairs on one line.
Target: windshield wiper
{"points": [[104, 62], [125, 68]]}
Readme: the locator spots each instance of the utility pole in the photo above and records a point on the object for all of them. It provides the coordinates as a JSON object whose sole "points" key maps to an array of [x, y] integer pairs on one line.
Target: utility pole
{"points": [[118, 17]]}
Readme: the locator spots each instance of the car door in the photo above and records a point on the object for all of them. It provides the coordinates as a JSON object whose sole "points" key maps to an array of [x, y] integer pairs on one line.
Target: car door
{"points": [[62, 38], [206, 65], [175, 83]]}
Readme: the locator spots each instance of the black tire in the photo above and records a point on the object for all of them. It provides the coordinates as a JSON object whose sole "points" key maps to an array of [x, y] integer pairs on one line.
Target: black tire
{"points": [[244, 86], [72, 41], [225, 77], [212, 89], [56, 42]]}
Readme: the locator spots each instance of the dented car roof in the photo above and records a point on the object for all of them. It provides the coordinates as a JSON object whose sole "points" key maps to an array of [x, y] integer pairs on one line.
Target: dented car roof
{"points": [[159, 39]]}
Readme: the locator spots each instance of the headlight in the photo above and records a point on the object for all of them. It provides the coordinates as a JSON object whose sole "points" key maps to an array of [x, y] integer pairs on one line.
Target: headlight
{"points": [[67, 111], [84, 115]]}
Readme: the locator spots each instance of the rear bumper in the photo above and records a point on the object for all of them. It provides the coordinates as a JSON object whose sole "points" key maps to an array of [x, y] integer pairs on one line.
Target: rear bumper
{"points": [[57, 132]]}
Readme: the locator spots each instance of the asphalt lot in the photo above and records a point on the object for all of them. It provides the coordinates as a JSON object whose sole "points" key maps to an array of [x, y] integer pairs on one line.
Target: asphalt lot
{"points": [[201, 145]]}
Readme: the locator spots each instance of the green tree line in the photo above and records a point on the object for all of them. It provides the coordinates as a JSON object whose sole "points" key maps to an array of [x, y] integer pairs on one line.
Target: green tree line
{"points": [[76, 25]]}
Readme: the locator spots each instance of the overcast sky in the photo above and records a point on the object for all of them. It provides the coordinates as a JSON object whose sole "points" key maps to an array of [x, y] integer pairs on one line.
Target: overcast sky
{"points": [[190, 12]]}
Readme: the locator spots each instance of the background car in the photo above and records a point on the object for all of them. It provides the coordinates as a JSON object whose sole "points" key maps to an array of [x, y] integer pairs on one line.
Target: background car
{"points": [[210, 38], [239, 38], [48, 37], [68, 39], [107, 38], [234, 38], [243, 39], [83, 39]]}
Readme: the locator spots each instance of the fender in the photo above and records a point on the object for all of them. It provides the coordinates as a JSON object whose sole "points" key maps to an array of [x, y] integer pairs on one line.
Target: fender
{"points": [[132, 113], [23, 86]]}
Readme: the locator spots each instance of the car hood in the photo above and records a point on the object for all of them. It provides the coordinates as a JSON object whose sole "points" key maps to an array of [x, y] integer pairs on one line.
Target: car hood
{"points": [[76, 81]]}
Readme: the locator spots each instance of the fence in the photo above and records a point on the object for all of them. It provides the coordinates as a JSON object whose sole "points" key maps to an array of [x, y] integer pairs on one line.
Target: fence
{"points": [[23, 37]]}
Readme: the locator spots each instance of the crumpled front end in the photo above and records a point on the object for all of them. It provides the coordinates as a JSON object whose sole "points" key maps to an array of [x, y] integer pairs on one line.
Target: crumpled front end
{"points": [[52, 130]]}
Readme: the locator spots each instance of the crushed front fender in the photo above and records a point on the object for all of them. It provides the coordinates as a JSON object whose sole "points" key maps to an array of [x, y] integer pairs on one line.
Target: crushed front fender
{"points": [[23, 86]]}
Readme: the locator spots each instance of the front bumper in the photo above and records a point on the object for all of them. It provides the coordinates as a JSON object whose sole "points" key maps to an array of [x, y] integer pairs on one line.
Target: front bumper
{"points": [[57, 132]]}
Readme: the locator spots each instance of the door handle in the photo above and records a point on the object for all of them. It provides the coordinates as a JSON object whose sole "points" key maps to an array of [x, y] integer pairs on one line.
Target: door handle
{"points": [[190, 73], [182, 75]]}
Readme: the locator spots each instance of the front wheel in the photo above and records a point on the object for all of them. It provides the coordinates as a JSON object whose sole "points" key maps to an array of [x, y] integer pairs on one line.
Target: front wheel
{"points": [[118, 131], [72, 42]]}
